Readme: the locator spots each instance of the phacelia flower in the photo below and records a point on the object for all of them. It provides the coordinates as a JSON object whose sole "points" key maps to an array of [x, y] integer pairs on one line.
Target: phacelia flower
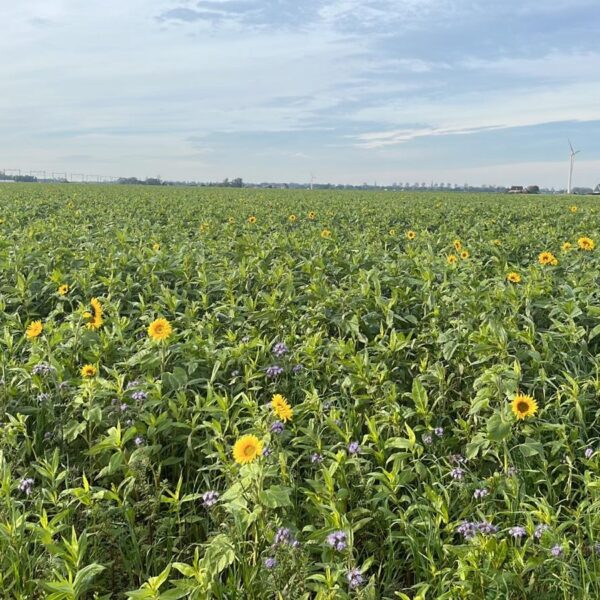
{"points": [[589, 452], [316, 458], [274, 371], [480, 493], [556, 550], [210, 498], [270, 562], [517, 532], [277, 427], [353, 448], [279, 349], [540, 530], [439, 431], [457, 473], [26, 486], [354, 578], [337, 540]]}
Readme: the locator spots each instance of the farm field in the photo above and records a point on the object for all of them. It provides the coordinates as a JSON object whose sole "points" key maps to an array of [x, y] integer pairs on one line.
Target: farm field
{"points": [[216, 393]]}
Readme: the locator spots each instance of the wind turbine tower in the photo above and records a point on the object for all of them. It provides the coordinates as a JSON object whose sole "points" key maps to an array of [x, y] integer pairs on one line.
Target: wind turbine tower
{"points": [[573, 153]]}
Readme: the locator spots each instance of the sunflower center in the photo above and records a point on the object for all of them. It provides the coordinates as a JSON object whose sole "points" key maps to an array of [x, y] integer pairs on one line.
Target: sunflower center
{"points": [[248, 450], [522, 407]]}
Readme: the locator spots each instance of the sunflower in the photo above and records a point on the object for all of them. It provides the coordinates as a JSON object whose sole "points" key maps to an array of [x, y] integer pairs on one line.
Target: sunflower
{"points": [[392, 232], [292, 218], [411, 235], [573, 209], [325, 233], [586, 243], [252, 220], [34, 329], [547, 258], [231, 220], [513, 277], [523, 406], [160, 329], [497, 242], [457, 245], [247, 449], [566, 246], [464, 254], [204, 227], [451, 258], [281, 407], [63, 289], [94, 315], [156, 246], [312, 215], [88, 371]]}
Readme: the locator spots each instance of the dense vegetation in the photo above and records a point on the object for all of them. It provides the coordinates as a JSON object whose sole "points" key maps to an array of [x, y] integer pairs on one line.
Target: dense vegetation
{"points": [[402, 469]]}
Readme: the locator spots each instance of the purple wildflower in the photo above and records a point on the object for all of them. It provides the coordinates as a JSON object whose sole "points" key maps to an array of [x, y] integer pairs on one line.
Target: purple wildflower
{"points": [[467, 529], [457, 473], [517, 532], [337, 540], [138, 441], [26, 486], [133, 384], [123, 407], [457, 459], [486, 528], [589, 452], [274, 371], [283, 536], [316, 459], [210, 498], [427, 439], [540, 530], [270, 562], [439, 431], [42, 369], [480, 493], [277, 427], [353, 448], [297, 369], [512, 471], [354, 578], [279, 349], [266, 451], [556, 550], [139, 396]]}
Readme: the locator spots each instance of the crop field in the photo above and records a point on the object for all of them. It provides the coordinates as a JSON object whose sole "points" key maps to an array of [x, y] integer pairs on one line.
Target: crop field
{"points": [[247, 394]]}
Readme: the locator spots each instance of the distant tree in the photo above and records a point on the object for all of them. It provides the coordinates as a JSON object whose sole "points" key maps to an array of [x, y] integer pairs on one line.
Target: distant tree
{"points": [[237, 183]]}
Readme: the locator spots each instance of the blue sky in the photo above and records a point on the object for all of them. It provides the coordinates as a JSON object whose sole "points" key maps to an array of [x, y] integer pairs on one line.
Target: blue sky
{"points": [[477, 91]]}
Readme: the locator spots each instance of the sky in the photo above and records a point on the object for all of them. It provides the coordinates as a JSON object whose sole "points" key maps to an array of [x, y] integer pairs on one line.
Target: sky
{"points": [[348, 91]]}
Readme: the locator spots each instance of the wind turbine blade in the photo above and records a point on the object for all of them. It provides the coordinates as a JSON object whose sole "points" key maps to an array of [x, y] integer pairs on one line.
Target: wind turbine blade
{"points": [[571, 146]]}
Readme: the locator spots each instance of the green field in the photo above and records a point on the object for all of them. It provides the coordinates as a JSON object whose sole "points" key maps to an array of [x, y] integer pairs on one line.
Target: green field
{"points": [[403, 471]]}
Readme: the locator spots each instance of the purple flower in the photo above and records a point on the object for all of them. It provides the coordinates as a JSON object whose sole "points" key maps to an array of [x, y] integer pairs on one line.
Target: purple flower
{"points": [[556, 550], [139, 396], [427, 439], [316, 459], [457, 473], [470, 529], [457, 459], [210, 498], [297, 369], [123, 407], [277, 427], [540, 530], [43, 397], [270, 562], [26, 486], [517, 532], [42, 369], [279, 349], [511, 472], [439, 431], [274, 371], [283, 536], [337, 540], [354, 578], [589, 452], [353, 448], [480, 493], [138, 441], [133, 384], [266, 451]]}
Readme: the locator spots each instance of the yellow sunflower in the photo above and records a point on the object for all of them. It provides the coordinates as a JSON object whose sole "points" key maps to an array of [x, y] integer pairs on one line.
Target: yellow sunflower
{"points": [[312, 215], [325, 233], [573, 209], [252, 220], [282, 408], [411, 235], [63, 289], [34, 329], [457, 245], [566, 246], [156, 246], [392, 232], [247, 449], [451, 258], [586, 243], [231, 220], [464, 254], [513, 277], [160, 329], [292, 218], [547, 258], [524, 406], [88, 371], [94, 315]]}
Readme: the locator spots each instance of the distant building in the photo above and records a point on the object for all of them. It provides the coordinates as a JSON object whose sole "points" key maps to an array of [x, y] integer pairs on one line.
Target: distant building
{"points": [[519, 189]]}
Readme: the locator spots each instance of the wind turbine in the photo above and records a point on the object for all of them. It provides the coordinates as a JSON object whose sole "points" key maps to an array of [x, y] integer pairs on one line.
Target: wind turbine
{"points": [[312, 180], [573, 153]]}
